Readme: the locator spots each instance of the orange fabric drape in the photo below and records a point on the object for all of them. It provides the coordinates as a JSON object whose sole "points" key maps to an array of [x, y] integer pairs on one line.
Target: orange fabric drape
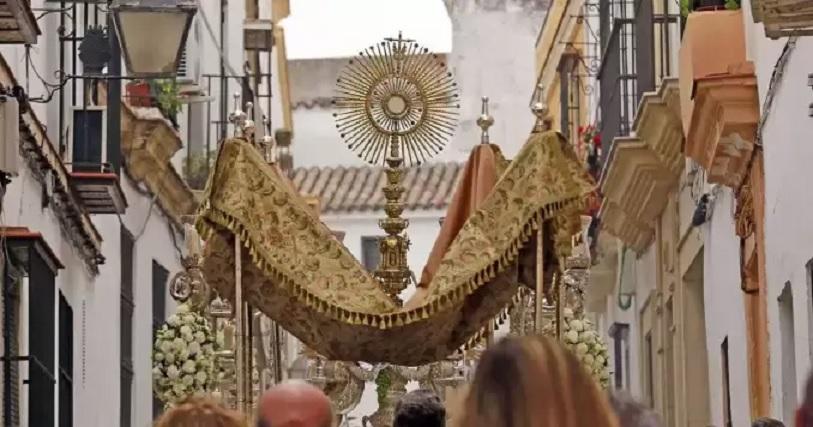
{"points": [[479, 178]]}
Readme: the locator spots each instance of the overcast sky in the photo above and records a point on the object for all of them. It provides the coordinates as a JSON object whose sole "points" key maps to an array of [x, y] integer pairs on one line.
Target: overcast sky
{"points": [[341, 28]]}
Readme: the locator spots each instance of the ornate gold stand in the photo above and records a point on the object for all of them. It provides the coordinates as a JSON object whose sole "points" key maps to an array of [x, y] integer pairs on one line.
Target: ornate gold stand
{"points": [[393, 271]]}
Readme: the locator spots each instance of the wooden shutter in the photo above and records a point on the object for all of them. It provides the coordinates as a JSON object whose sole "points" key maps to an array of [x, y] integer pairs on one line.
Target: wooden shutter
{"points": [[11, 345], [160, 275], [645, 49], [65, 363], [126, 333], [41, 334]]}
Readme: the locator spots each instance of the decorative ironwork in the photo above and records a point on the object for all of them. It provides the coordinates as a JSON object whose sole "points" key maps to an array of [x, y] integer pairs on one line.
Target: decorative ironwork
{"points": [[94, 51], [397, 103]]}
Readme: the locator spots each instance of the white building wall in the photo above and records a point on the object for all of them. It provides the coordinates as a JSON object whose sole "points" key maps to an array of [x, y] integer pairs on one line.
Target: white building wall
{"points": [[725, 313], [789, 238]]}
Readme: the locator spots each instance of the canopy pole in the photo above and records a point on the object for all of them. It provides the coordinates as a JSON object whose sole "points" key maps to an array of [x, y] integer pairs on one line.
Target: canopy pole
{"points": [[238, 320], [540, 277]]}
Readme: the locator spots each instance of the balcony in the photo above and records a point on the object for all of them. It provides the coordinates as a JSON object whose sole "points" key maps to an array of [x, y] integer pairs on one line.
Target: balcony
{"points": [[149, 141], [642, 122], [17, 23], [784, 18], [96, 184], [718, 91]]}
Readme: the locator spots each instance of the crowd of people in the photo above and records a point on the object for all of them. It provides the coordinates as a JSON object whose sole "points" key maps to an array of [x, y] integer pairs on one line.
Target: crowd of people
{"points": [[527, 381]]}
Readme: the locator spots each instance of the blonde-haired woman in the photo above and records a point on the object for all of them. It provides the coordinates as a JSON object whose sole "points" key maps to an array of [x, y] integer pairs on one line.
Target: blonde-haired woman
{"points": [[197, 412], [534, 382]]}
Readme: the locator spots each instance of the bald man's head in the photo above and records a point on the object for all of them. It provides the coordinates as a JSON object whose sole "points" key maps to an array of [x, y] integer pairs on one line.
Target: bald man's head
{"points": [[295, 404]]}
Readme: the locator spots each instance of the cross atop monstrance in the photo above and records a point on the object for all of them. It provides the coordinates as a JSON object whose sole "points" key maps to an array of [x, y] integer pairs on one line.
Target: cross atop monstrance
{"points": [[397, 104]]}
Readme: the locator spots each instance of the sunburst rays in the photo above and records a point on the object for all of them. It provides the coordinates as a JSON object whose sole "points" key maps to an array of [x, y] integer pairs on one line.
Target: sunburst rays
{"points": [[396, 88]]}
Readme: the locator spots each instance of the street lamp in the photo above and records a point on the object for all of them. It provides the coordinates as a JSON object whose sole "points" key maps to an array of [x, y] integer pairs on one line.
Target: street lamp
{"points": [[153, 34]]}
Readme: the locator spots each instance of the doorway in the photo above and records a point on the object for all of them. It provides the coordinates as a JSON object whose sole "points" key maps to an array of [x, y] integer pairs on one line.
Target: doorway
{"points": [[697, 368]]}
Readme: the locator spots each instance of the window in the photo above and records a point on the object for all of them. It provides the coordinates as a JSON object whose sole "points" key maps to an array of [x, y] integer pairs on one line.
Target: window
{"points": [[126, 307], [12, 284], [809, 270], [669, 351], [160, 275], [30, 271], [649, 371], [65, 363], [569, 85], [726, 385], [621, 355], [787, 333], [370, 255]]}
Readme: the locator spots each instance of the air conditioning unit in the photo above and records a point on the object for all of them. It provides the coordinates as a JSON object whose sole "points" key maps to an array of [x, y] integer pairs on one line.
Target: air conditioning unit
{"points": [[88, 146], [10, 128]]}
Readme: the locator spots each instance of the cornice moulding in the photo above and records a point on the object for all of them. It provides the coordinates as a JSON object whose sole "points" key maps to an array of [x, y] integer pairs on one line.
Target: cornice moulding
{"points": [[657, 123], [724, 124]]}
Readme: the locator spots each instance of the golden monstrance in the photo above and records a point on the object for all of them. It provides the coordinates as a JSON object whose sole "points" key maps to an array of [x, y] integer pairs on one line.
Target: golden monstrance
{"points": [[397, 104]]}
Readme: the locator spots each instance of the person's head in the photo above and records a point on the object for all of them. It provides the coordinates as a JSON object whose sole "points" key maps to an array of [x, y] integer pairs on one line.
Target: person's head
{"points": [[294, 404], [534, 382], [198, 412], [804, 415], [631, 413], [419, 408], [767, 422]]}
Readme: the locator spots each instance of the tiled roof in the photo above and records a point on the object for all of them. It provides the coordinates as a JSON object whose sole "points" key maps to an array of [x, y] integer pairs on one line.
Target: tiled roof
{"points": [[357, 189]]}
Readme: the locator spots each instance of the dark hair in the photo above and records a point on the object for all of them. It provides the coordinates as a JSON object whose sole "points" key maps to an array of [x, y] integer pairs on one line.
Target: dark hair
{"points": [[767, 422], [420, 408]]}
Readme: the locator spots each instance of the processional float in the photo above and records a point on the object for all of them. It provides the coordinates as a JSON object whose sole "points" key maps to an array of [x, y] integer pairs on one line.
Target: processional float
{"points": [[511, 228]]}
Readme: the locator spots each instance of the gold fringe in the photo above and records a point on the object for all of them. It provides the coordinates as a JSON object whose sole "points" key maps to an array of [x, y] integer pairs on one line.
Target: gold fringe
{"points": [[211, 219]]}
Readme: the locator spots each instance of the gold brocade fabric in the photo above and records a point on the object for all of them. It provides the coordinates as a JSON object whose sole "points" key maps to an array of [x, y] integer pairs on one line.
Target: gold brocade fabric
{"points": [[297, 273]]}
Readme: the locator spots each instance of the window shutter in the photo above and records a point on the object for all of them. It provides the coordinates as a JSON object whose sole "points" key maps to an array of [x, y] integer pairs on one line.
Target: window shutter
{"points": [[11, 345], [126, 344], [645, 49], [370, 255], [183, 66], [160, 275], [41, 309], [65, 363]]}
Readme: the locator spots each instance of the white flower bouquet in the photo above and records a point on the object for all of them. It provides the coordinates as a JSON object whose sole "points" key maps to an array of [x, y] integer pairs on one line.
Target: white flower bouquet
{"points": [[183, 358], [581, 337]]}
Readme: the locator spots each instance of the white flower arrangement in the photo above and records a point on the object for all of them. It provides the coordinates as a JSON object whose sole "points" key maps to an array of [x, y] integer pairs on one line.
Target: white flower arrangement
{"points": [[183, 358], [581, 337]]}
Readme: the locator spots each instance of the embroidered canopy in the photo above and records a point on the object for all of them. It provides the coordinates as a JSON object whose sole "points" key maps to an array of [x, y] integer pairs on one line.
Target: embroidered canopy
{"points": [[297, 273]]}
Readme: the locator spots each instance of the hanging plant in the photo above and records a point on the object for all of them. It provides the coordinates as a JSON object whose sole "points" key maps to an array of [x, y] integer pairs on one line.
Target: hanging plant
{"points": [[196, 169], [383, 384], [167, 97], [689, 6], [590, 139]]}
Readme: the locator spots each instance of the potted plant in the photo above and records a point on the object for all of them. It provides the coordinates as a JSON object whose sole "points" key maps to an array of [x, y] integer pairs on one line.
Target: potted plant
{"points": [[196, 169], [590, 148], [139, 93], [689, 6], [165, 92]]}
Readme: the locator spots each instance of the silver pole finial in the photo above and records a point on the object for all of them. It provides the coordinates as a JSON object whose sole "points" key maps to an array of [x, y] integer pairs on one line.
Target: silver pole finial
{"points": [[485, 121]]}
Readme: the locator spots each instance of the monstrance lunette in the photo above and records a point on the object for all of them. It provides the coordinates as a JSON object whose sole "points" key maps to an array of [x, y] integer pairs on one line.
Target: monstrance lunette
{"points": [[397, 105]]}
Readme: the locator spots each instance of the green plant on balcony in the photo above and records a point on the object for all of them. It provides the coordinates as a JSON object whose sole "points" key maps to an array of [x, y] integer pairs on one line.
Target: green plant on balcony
{"points": [[196, 168], [165, 92], [689, 6]]}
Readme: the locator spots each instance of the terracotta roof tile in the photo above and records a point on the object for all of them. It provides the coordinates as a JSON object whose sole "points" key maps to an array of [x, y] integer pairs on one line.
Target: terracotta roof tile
{"points": [[357, 189]]}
